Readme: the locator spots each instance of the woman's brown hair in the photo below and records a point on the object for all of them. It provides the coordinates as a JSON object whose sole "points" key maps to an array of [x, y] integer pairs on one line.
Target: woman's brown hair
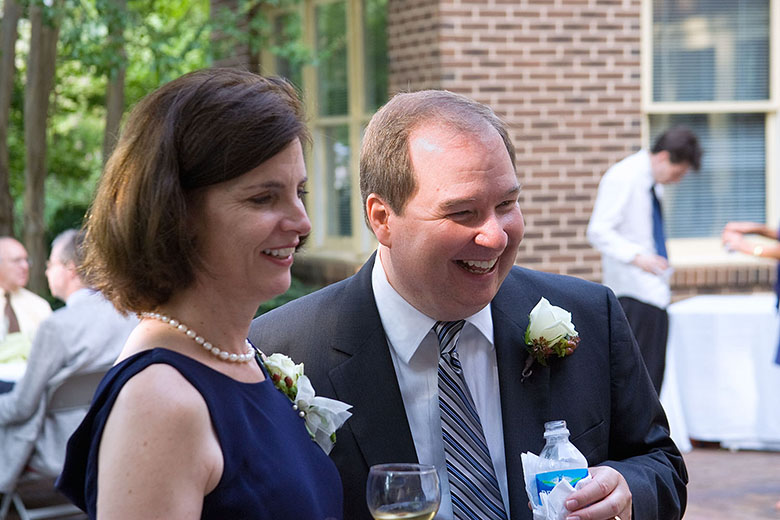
{"points": [[201, 129]]}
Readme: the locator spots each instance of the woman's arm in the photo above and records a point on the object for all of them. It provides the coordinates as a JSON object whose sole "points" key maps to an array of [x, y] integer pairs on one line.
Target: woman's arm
{"points": [[754, 228], [733, 237], [159, 455]]}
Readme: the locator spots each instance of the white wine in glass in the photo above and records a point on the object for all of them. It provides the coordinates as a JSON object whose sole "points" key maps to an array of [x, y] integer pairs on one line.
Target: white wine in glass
{"points": [[403, 491]]}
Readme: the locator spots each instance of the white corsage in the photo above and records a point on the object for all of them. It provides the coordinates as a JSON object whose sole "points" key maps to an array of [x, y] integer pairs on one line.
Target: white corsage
{"points": [[550, 331], [322, 416]]}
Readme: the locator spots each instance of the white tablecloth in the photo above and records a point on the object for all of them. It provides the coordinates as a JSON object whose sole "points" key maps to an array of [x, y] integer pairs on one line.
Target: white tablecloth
{"points": [[12, 371], [721, 383]]}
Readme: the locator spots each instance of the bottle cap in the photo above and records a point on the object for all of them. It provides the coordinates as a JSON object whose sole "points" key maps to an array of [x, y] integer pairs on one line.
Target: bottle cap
{"points": [[555, 428]]}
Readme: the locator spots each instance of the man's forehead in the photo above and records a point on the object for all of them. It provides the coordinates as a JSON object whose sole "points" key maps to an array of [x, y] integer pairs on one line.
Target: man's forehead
{"points": [[56, 250], [441, 137], [12, 247]]}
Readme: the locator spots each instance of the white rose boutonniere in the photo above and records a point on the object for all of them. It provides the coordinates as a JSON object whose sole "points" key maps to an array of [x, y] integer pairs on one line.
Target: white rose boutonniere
{"points": [[550, 332], [284, 373], [323, 416]]}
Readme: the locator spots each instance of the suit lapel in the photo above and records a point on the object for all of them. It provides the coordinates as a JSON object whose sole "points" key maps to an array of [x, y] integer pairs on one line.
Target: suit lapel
{"points": [[524, 406], [367, 380]]}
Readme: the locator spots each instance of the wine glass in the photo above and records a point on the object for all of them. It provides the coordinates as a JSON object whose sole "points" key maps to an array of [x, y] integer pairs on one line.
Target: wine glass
{"points": [[403, 491]]}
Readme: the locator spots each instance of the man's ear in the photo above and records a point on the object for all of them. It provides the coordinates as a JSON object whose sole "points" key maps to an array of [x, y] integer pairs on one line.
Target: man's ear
{"points": [[378, 214], [70, 267], [662, 156]]}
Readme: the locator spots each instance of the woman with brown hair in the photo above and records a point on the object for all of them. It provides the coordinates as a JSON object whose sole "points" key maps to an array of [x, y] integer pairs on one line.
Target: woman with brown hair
{"points": [[194, 224]]}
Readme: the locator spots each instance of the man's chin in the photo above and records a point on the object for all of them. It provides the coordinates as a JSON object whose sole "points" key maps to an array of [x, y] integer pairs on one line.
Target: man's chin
{"points": [[464, 305]]}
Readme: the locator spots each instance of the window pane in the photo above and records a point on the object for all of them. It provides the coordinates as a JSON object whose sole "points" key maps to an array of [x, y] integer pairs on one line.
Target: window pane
{"points": [[375, 52], [288, 49], [731, 184], [710, 50], [331, 59], [337, 180]]}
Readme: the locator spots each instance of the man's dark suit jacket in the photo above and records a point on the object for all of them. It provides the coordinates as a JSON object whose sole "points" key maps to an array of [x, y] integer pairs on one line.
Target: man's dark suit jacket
{"points": [[602, 391]]}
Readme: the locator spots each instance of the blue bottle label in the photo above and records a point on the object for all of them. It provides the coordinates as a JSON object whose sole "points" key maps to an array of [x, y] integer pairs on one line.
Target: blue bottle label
{"points": [[545, 482]]}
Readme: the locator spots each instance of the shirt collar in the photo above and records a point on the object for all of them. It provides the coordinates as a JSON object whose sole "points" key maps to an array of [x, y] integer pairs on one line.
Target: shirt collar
{"points": [[80, 294], [404, 325], [649, 179]]}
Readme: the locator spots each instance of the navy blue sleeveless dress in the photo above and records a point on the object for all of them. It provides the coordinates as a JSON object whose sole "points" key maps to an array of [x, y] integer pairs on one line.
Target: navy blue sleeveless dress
{"points": [[272, 468]]}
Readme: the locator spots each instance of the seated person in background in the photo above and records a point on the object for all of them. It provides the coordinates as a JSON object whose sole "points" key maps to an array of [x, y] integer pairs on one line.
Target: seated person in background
{"points": [[21, 311], [87, 333]]}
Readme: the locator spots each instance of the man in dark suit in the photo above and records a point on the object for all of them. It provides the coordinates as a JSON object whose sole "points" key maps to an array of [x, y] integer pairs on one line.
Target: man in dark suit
{"points": [[440, 193]]}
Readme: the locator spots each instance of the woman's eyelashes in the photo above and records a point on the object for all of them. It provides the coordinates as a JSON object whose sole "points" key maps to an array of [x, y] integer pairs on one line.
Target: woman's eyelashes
{"points": [[273, 196]]}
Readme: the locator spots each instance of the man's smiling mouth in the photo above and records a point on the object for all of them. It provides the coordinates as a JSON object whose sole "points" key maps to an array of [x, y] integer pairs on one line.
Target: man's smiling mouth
{"points": [[477, 266]]}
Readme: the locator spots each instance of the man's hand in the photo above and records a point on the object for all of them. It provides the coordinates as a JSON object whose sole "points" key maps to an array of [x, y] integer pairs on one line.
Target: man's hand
{"points": [[651, 263], [606, 497]]}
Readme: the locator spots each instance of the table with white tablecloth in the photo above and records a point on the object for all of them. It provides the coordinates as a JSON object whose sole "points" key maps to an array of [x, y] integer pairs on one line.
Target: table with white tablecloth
{"points": [[721, 382]]}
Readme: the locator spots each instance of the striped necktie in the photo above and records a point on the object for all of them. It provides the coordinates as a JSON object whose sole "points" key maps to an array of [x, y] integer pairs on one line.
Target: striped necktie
{"points": [[473, 485]]}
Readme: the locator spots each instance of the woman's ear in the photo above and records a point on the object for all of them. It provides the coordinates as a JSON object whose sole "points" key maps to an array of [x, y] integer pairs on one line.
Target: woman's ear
{"points": [[378, 214]]}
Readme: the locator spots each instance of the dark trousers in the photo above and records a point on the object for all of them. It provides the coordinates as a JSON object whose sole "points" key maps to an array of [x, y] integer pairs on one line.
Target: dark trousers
{"points": [[6, 386], [650, 326]]}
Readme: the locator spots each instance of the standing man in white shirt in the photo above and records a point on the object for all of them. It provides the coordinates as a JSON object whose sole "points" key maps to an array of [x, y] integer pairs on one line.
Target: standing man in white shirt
{"points": [[627, 228]]}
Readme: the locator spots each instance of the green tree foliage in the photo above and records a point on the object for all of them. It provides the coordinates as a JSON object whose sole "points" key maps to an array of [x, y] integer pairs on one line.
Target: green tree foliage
{"points": [[162, 41]]}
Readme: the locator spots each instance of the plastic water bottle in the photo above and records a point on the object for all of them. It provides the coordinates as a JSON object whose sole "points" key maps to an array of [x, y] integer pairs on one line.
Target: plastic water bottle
{"points": [[559, 459]]}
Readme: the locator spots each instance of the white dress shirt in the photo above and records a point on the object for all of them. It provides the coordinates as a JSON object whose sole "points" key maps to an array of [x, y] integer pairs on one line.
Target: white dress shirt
{"points": [[414, 349], [621, 227], [86, 333], [30, 310]]}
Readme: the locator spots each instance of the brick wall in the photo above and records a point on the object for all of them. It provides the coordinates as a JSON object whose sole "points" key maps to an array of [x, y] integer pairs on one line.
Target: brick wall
{"points": [[413, 45], [691, 281]]}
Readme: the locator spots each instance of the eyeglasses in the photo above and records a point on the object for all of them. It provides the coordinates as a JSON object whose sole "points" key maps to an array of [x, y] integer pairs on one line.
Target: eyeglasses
{"points": [[17, 260]]}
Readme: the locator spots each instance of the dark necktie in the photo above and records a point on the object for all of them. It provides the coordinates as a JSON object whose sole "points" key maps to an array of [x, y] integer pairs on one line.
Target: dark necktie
{"points": [[658, 226], [13, 323], [473, 484]]}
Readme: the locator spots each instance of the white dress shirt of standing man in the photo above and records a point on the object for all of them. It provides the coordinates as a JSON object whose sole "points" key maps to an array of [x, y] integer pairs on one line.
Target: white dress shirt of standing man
{"points": [[628, 232], [87, 333], [29, 309]]}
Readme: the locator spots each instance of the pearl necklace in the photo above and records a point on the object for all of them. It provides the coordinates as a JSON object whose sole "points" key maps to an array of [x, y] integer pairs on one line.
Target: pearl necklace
{"points": [[246, 357]]}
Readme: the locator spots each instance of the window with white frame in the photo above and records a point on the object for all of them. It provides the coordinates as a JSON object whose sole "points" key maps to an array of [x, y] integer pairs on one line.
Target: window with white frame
{"points": [[710, 70], [344, 81]]}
